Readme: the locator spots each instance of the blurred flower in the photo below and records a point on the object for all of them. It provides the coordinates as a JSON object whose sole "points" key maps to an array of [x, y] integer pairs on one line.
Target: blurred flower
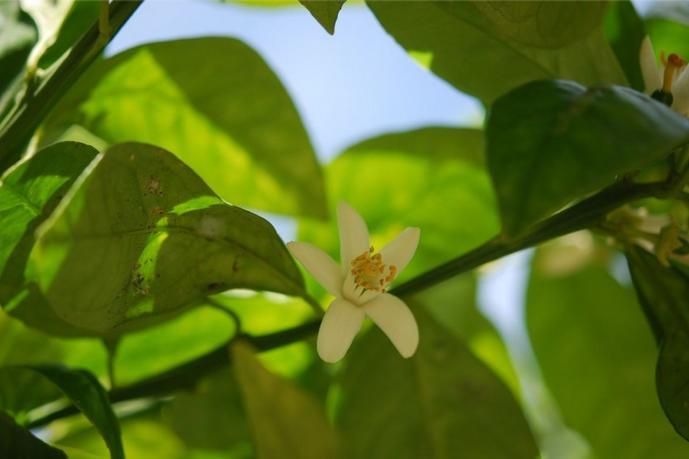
{"points": [[669, 83], [359, 286]]}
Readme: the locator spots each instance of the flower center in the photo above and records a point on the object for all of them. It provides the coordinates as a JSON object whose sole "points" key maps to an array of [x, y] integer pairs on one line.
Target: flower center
{"points": [[370, 273]]}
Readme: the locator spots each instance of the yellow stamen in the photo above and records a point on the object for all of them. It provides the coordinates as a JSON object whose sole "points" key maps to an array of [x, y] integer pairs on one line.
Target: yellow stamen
{"points": [[370, 273]]}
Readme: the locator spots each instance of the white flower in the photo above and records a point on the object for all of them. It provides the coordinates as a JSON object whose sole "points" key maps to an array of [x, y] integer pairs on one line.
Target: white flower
{"points": [[359, 286], [670, 79]]}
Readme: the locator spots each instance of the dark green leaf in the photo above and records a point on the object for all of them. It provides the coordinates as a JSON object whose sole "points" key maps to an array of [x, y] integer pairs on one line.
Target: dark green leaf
{"points": [[29, 193], [552, 142], [624, 30], [86, 393], [663, 292], [461, 46], [324, 11], [217, 105], [441, 403], [597, 354], [143, 238], [285, 422], [19, 443]]}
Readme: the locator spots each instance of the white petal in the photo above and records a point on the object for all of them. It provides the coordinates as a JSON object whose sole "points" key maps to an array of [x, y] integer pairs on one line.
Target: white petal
{"points": [[353, 234], [319, 265], [400, 251], [341, 322], [393, 316], [680, 93], [652, 75]]}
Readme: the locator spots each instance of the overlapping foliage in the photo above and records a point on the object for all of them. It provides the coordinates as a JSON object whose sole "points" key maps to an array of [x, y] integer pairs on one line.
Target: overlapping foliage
{"points": [[124, 265]]}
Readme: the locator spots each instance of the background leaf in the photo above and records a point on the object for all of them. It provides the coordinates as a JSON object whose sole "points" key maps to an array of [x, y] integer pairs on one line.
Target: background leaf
{"points": [[552, 142], [117, 253], [241, 133], [284, 421], [17, 36], [625, 30], [459, 45], [597, 355], [442, 402]]}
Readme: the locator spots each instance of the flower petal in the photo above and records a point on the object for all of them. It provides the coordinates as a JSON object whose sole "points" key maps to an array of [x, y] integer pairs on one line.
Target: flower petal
{"points": [[680, 93], [649, 67], [319, 265], [353, 234], [393, 316], [341, 322], [400, 251]]}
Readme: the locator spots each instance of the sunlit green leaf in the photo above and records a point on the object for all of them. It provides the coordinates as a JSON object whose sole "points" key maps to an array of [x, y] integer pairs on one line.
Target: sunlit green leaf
{"points": [[597, 356], [324, 11], [19, 443], [668, 35], [624, 29], [552, 142], [73, 23], [143, 238], [284, 421], [662, 293], [214, 103], [461, 46], [440, 403], [543, 24]]}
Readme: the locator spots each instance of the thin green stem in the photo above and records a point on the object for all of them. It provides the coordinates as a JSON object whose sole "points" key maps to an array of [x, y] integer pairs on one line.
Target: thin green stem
{"points": [[22, 123], [587, 213]]}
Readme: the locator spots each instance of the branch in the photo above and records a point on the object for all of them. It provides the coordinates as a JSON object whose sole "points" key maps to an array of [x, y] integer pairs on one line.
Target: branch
{"points": [[582, 215], [19, 128]]}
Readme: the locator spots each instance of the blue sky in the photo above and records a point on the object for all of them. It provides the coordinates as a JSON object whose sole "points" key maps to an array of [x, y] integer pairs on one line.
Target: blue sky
{"points": [[347, 87]]}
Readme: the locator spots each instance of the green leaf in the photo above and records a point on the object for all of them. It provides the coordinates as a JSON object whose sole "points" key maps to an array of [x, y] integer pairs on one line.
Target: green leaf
{"points": [[624, 30], [552, 142], [668, 35], [217, 105], [285, 422], [460, 45], [440, 403], [212, 417], [543, 24], [324, 11], [29, 193], [596, 354], [453, 304], [17, 37], [19, 443], [432, 178], [662, 293], [86, 393], [142, 238]]}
